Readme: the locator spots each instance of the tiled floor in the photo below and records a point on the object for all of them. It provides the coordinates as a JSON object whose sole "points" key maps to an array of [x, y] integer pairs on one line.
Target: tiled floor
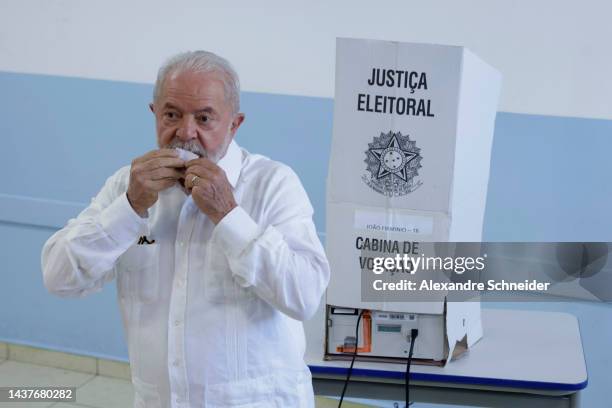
{"points": [[93, 391]]}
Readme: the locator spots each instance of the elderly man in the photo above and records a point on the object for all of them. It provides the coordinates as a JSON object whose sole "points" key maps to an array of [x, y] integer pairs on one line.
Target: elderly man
{"points": [[216, 258]]}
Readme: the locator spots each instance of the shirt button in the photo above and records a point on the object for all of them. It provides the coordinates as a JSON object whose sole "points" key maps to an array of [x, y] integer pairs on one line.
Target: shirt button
{"points": [[176, 364], [177, 322]]}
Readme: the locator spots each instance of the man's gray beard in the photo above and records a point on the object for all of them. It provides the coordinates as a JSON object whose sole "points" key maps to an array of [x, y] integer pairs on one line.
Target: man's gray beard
{"points": [[195, 147], [192, 146]]}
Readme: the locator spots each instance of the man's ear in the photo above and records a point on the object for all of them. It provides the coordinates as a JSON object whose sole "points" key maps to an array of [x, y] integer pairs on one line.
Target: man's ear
{"points": [[152, 107], [236, 122]]}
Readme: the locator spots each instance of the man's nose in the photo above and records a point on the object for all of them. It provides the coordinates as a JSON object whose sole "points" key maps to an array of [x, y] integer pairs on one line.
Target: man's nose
{"points": [[187, 130]]}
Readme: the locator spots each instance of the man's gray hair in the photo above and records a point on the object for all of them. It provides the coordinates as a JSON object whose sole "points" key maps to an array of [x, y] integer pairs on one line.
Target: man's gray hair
{"points": [[202, 61]]}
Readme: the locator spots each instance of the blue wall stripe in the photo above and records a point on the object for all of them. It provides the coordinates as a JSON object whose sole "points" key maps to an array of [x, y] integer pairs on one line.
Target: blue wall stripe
{"points": [[36, 211], [43, 213]]}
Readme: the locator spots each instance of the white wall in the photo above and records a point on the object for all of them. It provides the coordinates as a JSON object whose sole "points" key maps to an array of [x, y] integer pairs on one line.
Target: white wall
{"points": [[554, 55]]}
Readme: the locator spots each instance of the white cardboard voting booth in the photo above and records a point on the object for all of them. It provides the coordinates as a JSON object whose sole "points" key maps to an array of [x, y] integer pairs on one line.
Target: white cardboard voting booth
{"points": [[410, 156]]}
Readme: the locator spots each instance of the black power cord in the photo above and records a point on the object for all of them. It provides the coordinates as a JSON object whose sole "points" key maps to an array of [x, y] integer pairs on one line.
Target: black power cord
{"points": [[350, 370], [413, 335]]}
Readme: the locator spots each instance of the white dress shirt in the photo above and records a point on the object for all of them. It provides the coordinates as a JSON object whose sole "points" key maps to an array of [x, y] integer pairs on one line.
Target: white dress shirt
{"points": [[212, 313]]}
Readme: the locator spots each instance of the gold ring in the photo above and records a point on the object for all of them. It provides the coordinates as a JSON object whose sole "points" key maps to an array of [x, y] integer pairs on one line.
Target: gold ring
{"points": [[193, 180]]}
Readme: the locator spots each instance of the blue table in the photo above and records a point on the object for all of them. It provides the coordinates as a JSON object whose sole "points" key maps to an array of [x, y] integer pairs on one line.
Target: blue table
{"points": [[525, 359]]}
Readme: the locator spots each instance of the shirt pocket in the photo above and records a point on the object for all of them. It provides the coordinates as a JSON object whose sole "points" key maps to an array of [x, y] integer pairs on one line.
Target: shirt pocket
{"points": [[219, 283], [138, 270], [247, 393]]}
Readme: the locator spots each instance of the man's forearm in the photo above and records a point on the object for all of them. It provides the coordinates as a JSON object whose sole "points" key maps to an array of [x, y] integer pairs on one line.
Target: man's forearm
{"points": [[78, 258], [288, 270]]}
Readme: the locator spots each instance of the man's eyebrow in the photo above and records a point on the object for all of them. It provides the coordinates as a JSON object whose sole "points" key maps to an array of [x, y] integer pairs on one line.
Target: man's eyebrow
{"points": [[205, 110], [168, 105]]}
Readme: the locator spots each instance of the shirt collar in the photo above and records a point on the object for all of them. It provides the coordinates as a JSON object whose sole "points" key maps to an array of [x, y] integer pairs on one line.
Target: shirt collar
{"points": [[231, 163]]}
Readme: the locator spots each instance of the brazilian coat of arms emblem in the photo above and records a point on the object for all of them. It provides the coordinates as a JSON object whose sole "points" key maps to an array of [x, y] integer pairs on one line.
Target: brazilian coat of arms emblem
{"points": [[392, 161]]}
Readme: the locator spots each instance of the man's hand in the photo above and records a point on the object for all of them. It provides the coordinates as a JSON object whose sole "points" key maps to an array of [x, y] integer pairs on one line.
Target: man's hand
{"points": [[150, 174], [210, 189]]}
